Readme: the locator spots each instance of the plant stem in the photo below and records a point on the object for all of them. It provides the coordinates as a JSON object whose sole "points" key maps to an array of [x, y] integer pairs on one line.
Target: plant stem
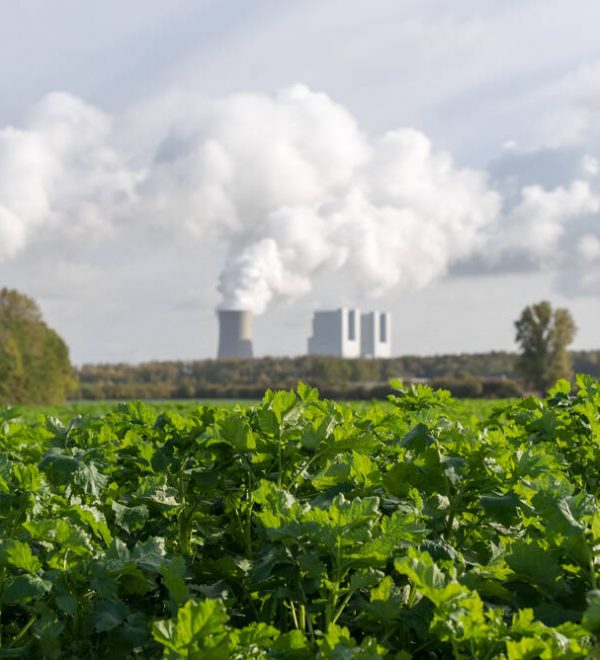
{"points": [[294, 616], [279, 460], [309, 624], [342, 606], [23, 630], [302, 610]]}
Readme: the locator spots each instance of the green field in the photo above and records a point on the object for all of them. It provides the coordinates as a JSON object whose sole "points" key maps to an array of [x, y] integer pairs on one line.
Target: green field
{"points": [[295, 527], [100, 408], [462, 408]]}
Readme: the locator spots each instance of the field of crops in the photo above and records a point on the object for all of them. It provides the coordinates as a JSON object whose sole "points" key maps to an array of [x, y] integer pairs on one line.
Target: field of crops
{"points": [[100, 408], [462, 409], [301, 528]]}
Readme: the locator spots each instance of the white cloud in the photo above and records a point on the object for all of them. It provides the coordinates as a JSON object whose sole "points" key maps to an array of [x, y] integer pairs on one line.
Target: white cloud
{"points": [[590, 165], [539, 221], [59, 173], [288, 182], [589, 247], [573, 104]]}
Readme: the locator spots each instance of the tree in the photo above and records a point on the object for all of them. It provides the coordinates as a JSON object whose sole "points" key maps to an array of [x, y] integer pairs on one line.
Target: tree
{"points": [[543, 335], [34, 360]]}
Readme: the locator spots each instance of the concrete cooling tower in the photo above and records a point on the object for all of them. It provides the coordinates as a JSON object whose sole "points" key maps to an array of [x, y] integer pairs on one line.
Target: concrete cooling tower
{"points": [[235, 334]]}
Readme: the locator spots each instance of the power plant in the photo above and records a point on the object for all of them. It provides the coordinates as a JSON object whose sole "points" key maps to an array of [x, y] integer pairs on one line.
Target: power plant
{"points": [[348, 333], [235, 334], [343, 332]]}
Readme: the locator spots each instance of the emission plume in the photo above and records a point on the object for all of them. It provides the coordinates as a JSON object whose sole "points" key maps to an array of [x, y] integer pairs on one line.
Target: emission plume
{"points": [[296, 189], [289, 183]]}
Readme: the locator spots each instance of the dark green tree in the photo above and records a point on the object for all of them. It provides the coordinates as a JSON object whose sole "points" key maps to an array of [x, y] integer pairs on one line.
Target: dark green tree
{"points": [[34, 361], [543, 335]]}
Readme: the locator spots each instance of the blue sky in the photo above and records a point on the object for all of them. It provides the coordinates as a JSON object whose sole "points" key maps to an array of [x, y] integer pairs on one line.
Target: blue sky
{"points": [[510, 90]]}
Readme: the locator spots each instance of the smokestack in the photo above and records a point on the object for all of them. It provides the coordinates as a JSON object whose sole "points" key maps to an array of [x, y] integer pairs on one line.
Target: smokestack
{"points": [[235, 334]]}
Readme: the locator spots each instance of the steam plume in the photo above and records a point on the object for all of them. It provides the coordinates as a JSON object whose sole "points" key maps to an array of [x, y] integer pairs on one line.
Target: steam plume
{"points": [[289, 183], [297, 189]]}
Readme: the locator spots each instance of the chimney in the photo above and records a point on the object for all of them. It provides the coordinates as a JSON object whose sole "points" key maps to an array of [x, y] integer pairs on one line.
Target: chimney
{"points": [[235, 334]]}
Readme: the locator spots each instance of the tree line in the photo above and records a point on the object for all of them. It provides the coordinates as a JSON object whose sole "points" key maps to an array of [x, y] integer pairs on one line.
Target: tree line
{"points": [[35, 366], [491, 375]]}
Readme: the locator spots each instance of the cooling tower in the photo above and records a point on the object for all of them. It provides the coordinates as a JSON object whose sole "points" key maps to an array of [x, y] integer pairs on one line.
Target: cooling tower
{"points": [[235, 334]]}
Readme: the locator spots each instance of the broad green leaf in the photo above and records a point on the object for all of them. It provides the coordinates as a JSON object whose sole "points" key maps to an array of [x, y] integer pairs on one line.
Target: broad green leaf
{"points": [[173, 573], [58, 467], [268, 422], [89, 479], [591, 616], [282, 404], [199, 625], [334, 640], [307, 393], [95, 521], [61, 532], [421, 570], [502, 508], [527, 648], [19, 555], [336, 473], [234, 429], [130, 518], [536, 565], [25, 587], [150, 555], [293, 645], [108, 615], [67, 604]]}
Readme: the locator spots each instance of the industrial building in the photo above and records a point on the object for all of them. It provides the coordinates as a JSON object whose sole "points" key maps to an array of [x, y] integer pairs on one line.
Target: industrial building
{"points": [[336, 332], [341, 332], [348, 333], [375, 334], [235, 334]]}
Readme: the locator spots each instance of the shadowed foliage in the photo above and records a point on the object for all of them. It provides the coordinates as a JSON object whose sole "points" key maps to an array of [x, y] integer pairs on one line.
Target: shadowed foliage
{"points": [[34, 360]]}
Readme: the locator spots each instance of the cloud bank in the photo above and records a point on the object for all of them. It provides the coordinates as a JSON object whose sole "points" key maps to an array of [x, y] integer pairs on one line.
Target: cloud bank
{"points": [[290, 184], [60, 176]]}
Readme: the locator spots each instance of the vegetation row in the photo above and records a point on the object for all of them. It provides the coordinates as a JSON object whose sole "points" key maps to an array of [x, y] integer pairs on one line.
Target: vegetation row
{"points": [[303, 528]]}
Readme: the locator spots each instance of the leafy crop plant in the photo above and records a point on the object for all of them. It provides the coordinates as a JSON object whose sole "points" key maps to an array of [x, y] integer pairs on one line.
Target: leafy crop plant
{"points": [[303, 528]]}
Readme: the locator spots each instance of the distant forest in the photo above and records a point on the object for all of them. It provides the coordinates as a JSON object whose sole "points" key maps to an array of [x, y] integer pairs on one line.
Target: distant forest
{"points": [[471, 375]]}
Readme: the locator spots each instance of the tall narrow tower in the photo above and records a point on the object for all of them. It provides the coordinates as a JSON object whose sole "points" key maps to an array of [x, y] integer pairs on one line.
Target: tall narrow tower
{"points": [[235, 334]]}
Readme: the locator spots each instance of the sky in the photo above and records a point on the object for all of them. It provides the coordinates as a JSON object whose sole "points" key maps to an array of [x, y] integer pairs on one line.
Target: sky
{"points": [[160, 160]]}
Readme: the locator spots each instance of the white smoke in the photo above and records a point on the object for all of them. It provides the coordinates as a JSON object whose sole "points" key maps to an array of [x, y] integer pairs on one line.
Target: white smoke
{"points": [[400, 219], [289, 183]]}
